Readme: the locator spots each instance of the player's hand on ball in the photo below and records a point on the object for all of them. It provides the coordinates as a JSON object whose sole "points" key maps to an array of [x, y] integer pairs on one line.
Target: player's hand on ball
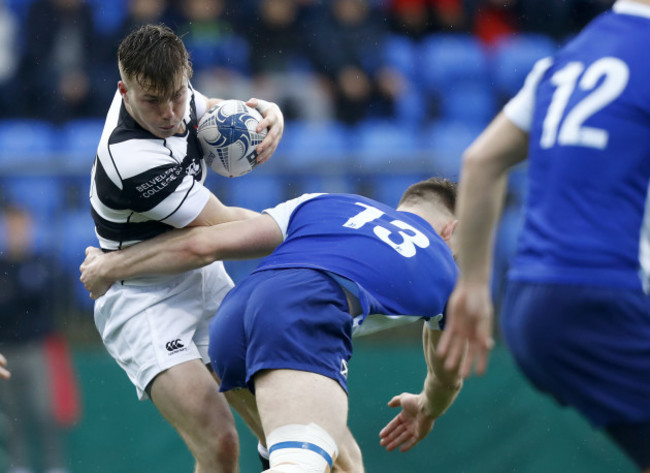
{"points": [[91, 275], [274, 122], [4, 372], [409, 426]]}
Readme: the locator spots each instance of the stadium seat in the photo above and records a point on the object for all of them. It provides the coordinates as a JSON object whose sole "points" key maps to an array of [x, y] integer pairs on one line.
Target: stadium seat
{"points": [[79, 140], [379, 144], [108, 16], [449, 60], [473, 103], [513, 58], [43, 196], [389, 187], [77, 231], [27, 145], [445, 142], [313, 145], [400, 52], [255, 191]]}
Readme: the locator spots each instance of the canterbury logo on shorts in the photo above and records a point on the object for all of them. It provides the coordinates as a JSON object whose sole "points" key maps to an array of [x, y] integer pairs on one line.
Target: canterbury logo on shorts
{"points": [[174, 345]]}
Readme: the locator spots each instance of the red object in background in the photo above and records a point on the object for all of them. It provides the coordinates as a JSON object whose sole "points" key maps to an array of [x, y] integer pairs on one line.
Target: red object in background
{"points": [[491, 24], [66, 403]]}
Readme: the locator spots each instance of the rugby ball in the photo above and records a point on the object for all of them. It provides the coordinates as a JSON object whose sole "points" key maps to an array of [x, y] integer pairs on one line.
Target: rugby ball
{"points": [[228, 137]]}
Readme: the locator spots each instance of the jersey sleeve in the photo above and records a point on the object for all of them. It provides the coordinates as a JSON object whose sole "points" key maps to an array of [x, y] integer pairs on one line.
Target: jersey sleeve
{"points": [[201, 104], [520, 108], [281, 213], [157, 187]]}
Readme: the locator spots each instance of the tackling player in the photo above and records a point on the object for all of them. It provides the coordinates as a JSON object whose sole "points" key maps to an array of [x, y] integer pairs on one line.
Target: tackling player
{"points": [[576, 314], [285, 332], [148, 179]]}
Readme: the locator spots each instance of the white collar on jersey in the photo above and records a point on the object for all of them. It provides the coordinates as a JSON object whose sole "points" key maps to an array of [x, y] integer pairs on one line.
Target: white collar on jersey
{"points": [[629, 7]]}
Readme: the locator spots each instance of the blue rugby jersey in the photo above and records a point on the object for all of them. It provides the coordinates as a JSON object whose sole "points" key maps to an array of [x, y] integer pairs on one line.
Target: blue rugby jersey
{"points": [[396, 259], [587, 111]]}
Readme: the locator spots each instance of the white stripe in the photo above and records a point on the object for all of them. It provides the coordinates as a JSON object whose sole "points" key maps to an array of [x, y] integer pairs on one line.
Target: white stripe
{"points": [[644, 246]]}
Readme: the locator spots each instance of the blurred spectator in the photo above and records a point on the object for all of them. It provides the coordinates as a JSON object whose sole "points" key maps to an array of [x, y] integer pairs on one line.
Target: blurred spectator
{"points": [[492, 20], [9, 57], [418, 18], [344, 43], [220, 57], [279, 62], [41, 395], [142, 12], [55, 73]]}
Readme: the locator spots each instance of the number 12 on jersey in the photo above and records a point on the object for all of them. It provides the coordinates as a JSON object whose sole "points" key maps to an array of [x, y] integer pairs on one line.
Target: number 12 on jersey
{"points": [[572, 132]]}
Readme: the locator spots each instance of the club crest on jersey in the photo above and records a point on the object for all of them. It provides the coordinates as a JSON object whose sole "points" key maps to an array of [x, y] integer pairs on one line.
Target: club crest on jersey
{"points": [[193, 169]]}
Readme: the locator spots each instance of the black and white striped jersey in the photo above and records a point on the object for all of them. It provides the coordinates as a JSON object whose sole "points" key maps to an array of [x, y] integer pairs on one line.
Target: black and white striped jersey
{"points": [[143, 185]]}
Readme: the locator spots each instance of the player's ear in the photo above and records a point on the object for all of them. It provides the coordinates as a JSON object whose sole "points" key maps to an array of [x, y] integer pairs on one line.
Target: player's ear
{"points": [[448, 230], [121, 86]]}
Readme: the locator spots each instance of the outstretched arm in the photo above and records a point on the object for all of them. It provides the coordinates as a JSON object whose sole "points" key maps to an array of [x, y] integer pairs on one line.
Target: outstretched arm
{"points": [[480, 198], [419, 411], [180, 250]]}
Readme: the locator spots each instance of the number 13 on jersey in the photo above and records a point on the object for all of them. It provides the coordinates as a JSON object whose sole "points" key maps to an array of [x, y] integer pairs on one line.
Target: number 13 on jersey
{"points": [[409, 237]]}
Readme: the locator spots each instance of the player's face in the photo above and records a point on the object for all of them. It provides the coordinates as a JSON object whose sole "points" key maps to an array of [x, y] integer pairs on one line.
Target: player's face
{"points": [[162, 116]]}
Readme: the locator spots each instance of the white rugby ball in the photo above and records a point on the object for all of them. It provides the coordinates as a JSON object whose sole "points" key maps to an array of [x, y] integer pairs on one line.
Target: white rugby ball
{"points": [[228, 137]]}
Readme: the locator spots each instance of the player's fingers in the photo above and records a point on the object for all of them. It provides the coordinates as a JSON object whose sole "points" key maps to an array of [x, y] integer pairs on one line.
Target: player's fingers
{"points": [[445, 340], [391, 426], [4, 372], [454, 354], [396, 401], [398, 440], [252, 102], [483, 356], [409, 444], [468, 361]]}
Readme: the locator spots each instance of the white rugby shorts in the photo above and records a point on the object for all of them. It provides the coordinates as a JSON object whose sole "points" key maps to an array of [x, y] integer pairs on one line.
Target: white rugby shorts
{"points": [[150, 328]]}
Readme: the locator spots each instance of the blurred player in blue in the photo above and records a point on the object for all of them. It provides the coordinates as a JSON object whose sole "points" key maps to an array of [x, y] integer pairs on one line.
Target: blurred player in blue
{"points": [[285, 331], [576, 314]]}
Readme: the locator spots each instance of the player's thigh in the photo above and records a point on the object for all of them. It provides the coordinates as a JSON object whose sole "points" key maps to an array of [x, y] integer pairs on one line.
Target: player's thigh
{"points": [[300, 397], [188, 397], [349, 459]]}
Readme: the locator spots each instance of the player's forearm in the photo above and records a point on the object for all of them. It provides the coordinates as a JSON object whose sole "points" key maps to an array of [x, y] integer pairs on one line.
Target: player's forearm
{"points": [[441, 387], [172, 253], [480, 199], [481, 193]]}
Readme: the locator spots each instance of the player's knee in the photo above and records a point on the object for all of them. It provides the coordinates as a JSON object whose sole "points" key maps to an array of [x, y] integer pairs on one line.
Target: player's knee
{"points": [[298, 448], [227, 446]]}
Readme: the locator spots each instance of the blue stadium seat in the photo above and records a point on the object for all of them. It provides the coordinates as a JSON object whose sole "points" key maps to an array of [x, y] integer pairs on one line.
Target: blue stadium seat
{"points": [[108, 16], [43, 196], [445, 142], [379, 144], [79, 140], [389, 187], [77, 231], [514, 57], [309, 145], [469, 103], [400, 52], [255, 191], [448, 60], [27, 145]]}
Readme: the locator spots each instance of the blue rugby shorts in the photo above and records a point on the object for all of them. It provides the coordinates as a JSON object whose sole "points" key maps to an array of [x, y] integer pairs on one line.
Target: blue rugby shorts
{"points": [[282, 319]]}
